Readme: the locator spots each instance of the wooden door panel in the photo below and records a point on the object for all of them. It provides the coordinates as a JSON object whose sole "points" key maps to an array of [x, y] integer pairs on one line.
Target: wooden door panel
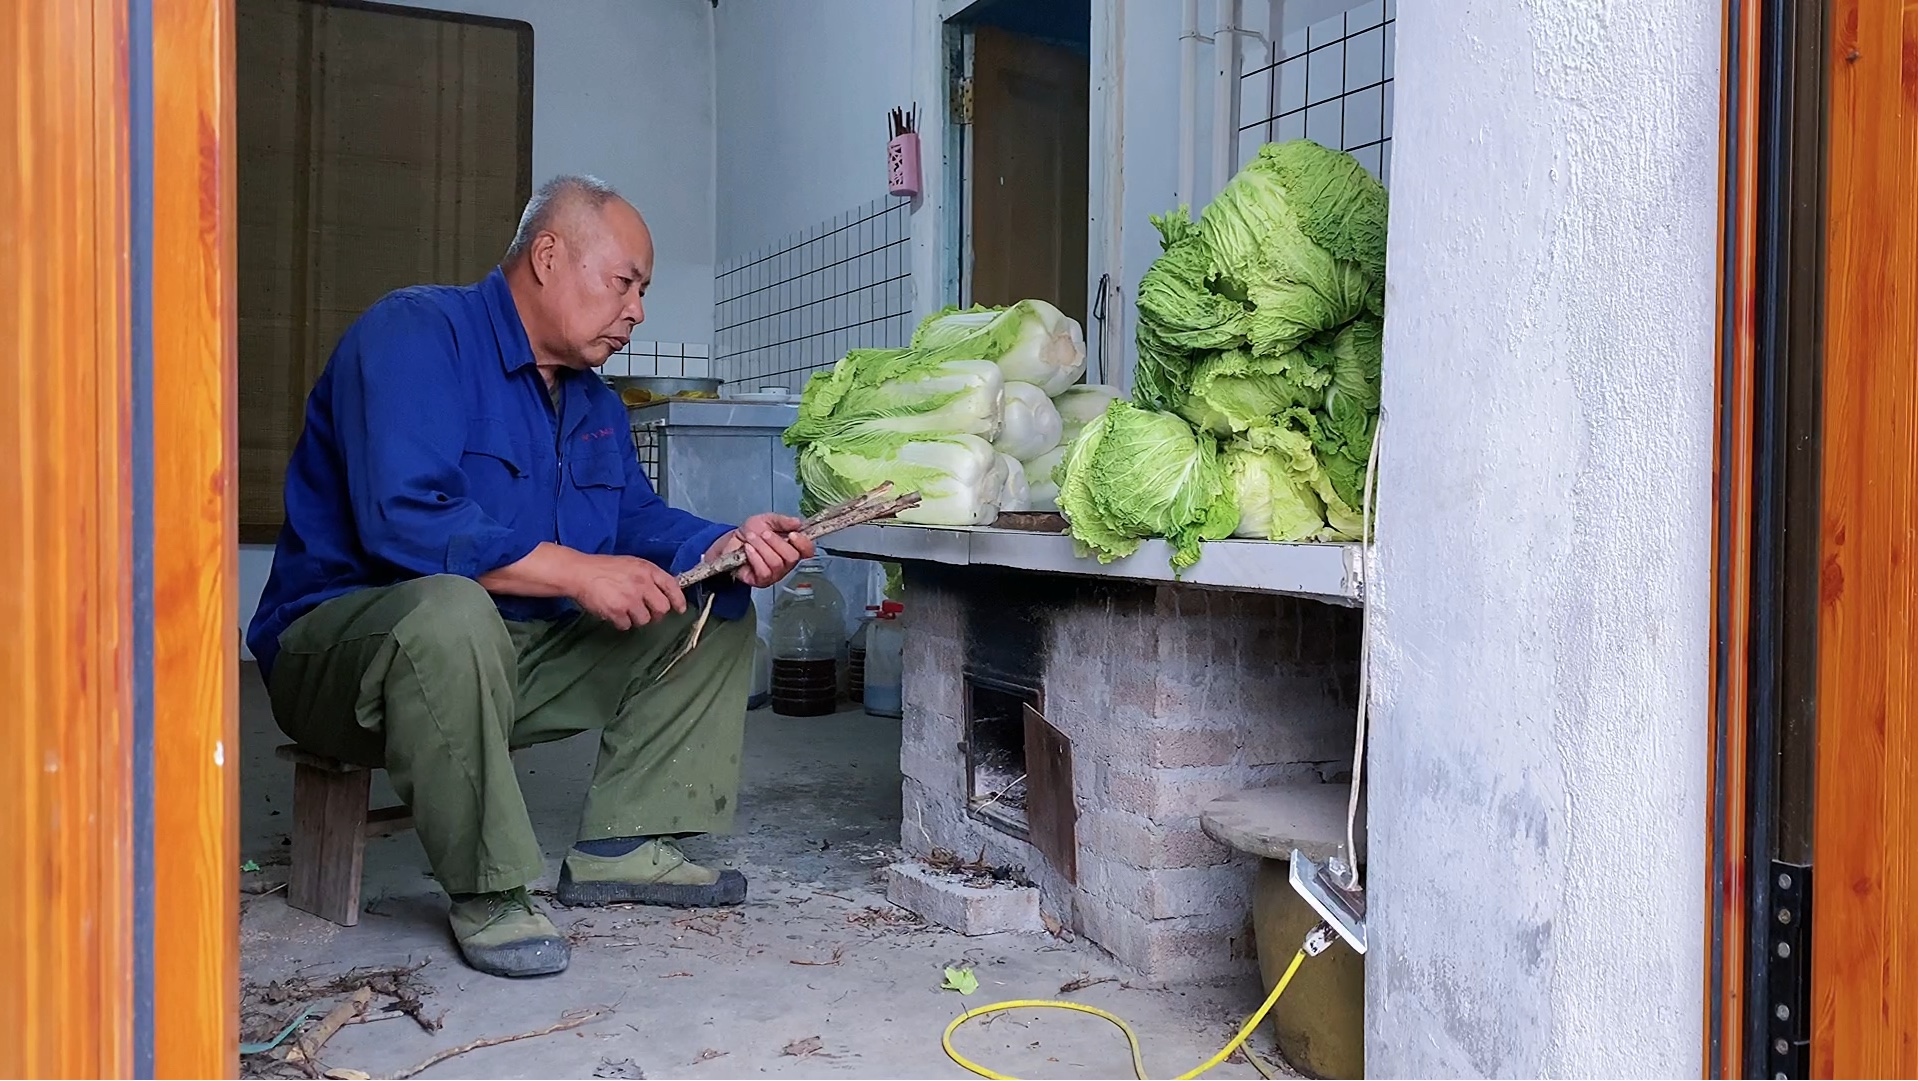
{"points": [[196, 858], [66, 997], [1030, 139], [1865, 865]]}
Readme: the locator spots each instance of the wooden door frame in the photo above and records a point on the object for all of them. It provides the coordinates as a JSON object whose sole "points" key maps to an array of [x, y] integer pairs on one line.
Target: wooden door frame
{"points": [[190, 249], [66, 782], [1811, 914], [117, 545], [1765, 544], [942, 228], [1864, 911]]}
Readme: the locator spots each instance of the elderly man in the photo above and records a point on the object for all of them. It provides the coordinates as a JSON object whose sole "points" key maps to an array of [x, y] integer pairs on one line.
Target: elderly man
{"points": [[473, 561]]}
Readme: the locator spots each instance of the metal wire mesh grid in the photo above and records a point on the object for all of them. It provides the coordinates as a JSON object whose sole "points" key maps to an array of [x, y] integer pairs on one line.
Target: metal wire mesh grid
{"points": [[798, 305], [646, 444], [1330, 82]]}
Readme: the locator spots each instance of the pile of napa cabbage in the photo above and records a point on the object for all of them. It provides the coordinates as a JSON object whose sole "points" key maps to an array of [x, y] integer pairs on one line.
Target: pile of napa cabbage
{"points": [[1256, 393], [974, 415]]}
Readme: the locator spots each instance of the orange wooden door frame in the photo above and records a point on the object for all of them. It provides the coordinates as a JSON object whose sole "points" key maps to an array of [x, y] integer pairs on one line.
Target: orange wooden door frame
{"points": [[195, 915], [1865, 885], [66, 994], [117, 758]]}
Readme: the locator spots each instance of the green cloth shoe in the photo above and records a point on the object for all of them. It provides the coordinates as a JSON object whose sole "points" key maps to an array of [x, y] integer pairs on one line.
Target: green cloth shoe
{"points": [[502, 934], [655, 873]]}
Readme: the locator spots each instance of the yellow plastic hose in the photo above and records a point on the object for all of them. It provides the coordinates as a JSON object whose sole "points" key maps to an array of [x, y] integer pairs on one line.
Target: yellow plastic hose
{"points": [[1132, 1039]]}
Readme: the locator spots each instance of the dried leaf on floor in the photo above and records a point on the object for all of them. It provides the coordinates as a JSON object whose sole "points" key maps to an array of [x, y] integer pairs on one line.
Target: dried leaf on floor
{"points": [[838, 955], [1055, 927], [709, 1054], [618, 1067], [811, 1045]]}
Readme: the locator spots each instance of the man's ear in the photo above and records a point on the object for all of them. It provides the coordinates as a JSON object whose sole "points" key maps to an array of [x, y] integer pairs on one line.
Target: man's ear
{"points": [[543, 257]]}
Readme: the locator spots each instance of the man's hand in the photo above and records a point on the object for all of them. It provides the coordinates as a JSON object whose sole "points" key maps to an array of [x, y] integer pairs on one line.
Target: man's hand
{"points": [[625, 591], [773, 544]]}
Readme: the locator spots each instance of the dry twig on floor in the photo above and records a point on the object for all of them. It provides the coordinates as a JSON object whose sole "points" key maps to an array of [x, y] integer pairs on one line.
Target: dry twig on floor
{"points": [[838, 955], [572, 1019], [1266, 1069], [874, 918], [977, 872], [307, 1047], [1084, 981]]}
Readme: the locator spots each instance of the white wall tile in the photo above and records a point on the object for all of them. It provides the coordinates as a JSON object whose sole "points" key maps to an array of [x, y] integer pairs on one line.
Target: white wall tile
{"points": [[798, 305]]}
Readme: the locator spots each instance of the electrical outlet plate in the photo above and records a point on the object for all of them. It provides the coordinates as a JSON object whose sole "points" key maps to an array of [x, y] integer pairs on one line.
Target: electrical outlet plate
{"points": [[1343, 909]]}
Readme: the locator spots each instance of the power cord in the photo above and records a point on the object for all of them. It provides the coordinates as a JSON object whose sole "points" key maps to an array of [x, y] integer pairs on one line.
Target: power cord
{"points": [[1322, 934], [1365, 657]]}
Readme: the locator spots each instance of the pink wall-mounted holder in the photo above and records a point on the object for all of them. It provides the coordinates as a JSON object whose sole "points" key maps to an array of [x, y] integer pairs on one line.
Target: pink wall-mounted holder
{"points": [[902, 164]]}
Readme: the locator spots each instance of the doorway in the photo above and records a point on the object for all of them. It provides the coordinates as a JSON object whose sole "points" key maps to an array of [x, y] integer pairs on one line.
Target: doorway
{"points": [[1022, 103]]}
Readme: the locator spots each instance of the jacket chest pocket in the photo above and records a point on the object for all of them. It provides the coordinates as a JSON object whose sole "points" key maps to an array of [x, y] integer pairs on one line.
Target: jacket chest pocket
{"points": [[599, 486], [499, 471]]}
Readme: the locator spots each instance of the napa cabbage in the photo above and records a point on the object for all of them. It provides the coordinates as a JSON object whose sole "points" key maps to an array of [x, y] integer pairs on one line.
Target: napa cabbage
{"points": [[1031, 424], [1031, 341], [1136, 473], [960, 478]]}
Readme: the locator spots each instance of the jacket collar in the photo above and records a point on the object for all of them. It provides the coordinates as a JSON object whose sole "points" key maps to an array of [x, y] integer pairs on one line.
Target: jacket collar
{"points": [[515, 350]]}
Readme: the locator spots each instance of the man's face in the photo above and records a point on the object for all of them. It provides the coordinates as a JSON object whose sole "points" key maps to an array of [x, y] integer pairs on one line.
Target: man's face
{"points": [[599, 271]]}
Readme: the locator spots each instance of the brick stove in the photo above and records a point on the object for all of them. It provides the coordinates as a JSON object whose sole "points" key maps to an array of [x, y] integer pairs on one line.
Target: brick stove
{"points": [[1075, 727]]}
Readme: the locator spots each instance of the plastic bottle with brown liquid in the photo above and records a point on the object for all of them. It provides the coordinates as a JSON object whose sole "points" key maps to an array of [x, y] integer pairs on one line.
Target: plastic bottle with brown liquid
{"points": [[805, 647], [856, 656]]}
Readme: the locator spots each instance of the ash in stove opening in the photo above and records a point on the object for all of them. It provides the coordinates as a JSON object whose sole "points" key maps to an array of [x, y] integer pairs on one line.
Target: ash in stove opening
{"points": [[996, 779]]}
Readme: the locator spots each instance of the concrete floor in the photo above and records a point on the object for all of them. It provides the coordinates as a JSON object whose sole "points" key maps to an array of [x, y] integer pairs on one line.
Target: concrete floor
{"points": [[816, 952]]}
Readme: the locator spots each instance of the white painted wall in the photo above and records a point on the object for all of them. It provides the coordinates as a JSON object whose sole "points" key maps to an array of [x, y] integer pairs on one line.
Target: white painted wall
{"points": [[802, 91], [1541, 593], [622, 90]]}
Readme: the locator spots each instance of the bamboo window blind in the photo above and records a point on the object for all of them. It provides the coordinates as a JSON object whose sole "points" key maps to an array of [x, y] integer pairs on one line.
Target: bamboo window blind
{"points": [[379, 147]]}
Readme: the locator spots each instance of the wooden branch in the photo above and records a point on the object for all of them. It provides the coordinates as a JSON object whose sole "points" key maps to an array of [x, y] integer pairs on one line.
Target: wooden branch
{"points": [[572, 1019], [307, 1048], [859, 510]]}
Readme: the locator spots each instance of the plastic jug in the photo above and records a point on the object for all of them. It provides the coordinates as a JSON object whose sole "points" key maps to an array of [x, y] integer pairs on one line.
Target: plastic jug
{"points": [[856, 655], [805, 655], [812, 572], [762, 691], [885, 662]]}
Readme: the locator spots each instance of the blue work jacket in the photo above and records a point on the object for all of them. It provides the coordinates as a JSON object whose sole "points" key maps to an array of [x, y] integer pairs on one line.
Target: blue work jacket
{"points": [[432, 447]]}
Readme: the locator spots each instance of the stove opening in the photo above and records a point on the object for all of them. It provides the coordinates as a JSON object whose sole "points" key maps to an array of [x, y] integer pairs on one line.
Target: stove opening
{"points": [[996, 781]]}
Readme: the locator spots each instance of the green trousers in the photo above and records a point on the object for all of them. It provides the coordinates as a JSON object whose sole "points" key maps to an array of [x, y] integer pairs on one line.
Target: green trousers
{"points": [[426, 679]]}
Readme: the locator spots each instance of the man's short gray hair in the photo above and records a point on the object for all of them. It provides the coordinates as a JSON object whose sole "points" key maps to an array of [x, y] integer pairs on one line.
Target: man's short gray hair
{"points": [[549, 201]]}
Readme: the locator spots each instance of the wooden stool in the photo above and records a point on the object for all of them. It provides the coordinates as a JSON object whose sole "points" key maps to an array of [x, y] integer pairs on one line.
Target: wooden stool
{"points": [[331, 822], [1320, 1020]]}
